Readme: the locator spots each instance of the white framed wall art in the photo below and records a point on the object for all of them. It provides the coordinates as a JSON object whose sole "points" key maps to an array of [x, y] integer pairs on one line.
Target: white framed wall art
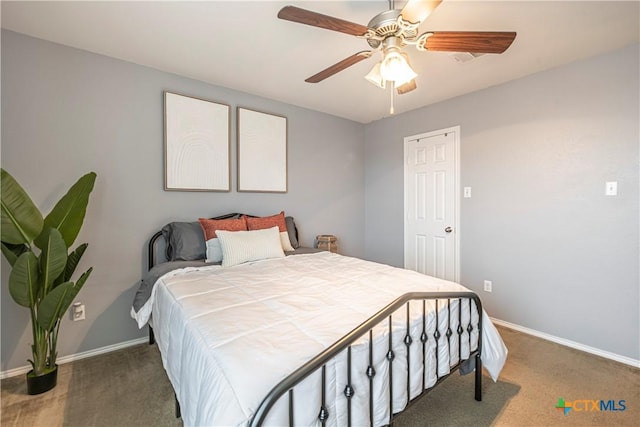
{"points": [[197, 144], [262, 151]]}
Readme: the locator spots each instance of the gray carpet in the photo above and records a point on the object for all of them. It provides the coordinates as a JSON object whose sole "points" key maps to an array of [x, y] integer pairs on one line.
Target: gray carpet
{"points": [[130, 388]]}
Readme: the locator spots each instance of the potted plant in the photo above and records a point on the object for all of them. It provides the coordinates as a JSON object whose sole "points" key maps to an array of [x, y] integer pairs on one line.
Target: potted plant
{"points": [[37, 249]]}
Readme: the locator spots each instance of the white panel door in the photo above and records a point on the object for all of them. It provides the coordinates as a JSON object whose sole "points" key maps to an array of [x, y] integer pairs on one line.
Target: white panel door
{"points": [[431, 217]]}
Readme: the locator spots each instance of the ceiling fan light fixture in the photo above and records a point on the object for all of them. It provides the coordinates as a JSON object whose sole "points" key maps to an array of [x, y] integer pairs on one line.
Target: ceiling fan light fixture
{"points": [[396, 68], [375, 77]]}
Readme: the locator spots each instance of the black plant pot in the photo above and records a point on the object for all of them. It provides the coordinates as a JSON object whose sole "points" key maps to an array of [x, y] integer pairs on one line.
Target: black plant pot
{"points": [[41, 383]]}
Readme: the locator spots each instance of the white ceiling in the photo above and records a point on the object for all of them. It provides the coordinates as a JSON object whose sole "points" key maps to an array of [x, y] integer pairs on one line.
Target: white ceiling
{"points": [[242, 45]]}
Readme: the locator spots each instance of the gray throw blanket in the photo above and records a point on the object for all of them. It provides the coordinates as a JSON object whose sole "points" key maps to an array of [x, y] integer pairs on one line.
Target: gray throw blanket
{"points": [[152, 276]]}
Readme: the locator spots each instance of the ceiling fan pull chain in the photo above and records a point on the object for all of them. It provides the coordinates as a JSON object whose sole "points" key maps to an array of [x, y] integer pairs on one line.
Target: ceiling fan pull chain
{"points": [[392, 90]]}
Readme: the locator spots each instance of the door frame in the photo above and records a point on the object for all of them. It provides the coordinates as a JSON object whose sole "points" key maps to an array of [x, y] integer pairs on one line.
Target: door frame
{"points": [[456, 193]]}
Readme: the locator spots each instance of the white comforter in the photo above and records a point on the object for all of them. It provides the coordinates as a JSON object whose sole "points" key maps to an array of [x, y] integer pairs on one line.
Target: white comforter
{"points": [[228, 335]]}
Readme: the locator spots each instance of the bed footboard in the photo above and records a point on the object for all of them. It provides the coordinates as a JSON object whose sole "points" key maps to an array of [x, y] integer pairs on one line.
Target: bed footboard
{"points": [[454, 327]]}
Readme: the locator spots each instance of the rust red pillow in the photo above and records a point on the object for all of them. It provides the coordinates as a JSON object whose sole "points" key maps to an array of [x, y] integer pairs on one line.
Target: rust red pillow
{"points": [[264, 222], [261, 223], [209, 226]]}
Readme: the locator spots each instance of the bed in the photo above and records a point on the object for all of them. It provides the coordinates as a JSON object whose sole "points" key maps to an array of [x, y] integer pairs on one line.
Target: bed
{"points": [[308, 338]]}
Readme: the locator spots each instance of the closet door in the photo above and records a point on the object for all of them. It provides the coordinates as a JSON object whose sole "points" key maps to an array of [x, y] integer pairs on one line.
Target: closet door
{"points": [[431, 213]]}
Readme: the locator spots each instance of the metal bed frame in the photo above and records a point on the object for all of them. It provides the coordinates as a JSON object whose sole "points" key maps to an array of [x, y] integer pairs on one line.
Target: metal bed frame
{"points": [[319, 362]]}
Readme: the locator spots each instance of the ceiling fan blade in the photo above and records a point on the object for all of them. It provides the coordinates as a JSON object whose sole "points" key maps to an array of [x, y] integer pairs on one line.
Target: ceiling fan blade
{"points": [[470, 41], [303, 16], [336, 68], [416, 11], [407, 87]]}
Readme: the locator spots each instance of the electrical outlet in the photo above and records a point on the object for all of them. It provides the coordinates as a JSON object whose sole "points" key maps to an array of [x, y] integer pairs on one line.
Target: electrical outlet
{"points": [[77, 312], [488, 285]]}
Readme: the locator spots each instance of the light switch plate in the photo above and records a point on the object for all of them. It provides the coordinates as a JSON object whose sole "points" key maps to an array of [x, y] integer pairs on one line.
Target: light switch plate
{"points": [[488, 285], [467, 192], [611, 188]]}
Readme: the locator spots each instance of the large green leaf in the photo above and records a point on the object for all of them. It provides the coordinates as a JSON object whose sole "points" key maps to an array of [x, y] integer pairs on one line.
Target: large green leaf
{"points": [[50, 308], [21, 219], [53, 258], [23, 280], [68, 214], [57, 302]]}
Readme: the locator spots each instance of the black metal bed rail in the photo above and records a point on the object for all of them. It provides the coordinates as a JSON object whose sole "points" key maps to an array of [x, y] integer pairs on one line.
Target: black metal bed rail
{"points": [[152, 253], [318, 363]]}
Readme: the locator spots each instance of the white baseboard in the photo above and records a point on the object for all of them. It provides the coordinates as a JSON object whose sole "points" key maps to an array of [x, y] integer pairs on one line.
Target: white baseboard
{"points": [[77, 356], [568, 343]]}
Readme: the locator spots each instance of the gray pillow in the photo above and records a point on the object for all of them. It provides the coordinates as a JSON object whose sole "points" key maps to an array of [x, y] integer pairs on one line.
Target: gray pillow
{"points": [[185, 241], [292, 231]]}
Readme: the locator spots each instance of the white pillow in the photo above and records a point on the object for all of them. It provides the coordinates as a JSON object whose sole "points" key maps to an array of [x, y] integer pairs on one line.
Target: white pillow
{"points": [[244, 246], [209, 228]]}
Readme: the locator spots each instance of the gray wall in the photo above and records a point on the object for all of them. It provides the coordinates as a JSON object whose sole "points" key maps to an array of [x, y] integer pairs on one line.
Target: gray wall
{"points": [[563, 257], [537, 151], [66, 112]]}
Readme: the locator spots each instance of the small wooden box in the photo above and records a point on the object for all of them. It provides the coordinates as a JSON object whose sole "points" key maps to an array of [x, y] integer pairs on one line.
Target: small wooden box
{"points": [[327, 242]]}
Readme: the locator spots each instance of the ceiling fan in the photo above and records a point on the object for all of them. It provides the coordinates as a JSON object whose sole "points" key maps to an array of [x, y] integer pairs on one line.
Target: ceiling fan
{"points": [[392, 30]]}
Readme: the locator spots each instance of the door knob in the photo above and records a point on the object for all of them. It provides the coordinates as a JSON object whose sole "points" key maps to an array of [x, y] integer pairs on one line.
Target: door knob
{"points": [[448, 230]]}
